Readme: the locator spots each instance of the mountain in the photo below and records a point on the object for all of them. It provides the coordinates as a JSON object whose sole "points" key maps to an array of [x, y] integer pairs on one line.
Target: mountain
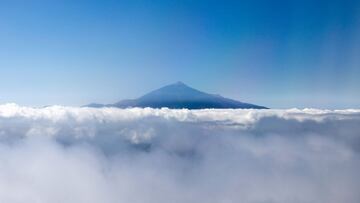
{"points": [[179, 95]]}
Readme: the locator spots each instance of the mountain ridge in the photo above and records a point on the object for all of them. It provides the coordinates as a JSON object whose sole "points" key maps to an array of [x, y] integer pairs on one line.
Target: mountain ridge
{"points": [[177, 96]]}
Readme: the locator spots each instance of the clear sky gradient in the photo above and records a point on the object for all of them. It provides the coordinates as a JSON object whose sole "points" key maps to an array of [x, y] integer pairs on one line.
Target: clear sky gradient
{"points": [[279, 54]]}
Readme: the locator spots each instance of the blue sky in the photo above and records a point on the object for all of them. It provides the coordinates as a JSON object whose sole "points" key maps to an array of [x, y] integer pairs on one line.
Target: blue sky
{"points": [[279, 54]]}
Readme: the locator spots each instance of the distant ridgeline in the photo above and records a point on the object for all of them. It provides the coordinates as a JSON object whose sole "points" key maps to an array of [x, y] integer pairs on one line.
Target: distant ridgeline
{"points": [[178, 96]]}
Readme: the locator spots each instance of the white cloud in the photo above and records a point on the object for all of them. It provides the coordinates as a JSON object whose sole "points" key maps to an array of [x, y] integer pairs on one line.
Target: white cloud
{"points": [[69, 154]]}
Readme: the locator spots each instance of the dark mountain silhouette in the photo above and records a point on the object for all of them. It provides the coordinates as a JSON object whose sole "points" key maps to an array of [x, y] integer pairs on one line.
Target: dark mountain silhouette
{"points": [[179, 95]]}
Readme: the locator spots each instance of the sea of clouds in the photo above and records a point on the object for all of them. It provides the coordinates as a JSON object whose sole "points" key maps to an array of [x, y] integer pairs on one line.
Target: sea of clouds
{"points": [[69, 154]]}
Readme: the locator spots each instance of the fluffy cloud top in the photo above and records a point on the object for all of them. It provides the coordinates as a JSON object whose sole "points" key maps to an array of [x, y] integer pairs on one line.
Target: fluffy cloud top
{"points": [[68, 154]]}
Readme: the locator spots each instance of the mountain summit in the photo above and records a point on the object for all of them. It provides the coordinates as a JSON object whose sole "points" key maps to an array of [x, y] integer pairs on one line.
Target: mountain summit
{"points": [[178, 96]]}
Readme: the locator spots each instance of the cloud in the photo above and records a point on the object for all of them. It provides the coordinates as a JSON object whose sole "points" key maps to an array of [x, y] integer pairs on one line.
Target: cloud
{"points": [[68, 154]]}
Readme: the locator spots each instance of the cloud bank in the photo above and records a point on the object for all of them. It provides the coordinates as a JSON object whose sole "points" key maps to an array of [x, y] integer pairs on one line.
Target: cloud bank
{"points": [[68, 154]]}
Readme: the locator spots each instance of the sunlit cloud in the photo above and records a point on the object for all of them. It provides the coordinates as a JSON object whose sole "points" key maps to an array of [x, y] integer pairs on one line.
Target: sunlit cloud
{"points": [[70, 154]]}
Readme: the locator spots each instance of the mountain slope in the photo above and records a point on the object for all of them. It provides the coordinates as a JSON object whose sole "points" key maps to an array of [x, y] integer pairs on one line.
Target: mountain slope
{"points": [[179, 95]]}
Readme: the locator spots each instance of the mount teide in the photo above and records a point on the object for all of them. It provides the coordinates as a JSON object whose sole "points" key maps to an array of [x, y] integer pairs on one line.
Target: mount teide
{"points": [[178, 96]]}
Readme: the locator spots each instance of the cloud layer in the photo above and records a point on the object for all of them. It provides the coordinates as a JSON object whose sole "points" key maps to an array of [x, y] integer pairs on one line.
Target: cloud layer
{"points": [[68, 154]]}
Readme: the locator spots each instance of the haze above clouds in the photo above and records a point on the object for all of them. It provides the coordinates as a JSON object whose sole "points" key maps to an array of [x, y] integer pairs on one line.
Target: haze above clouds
{"points": [[70, 154]]}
